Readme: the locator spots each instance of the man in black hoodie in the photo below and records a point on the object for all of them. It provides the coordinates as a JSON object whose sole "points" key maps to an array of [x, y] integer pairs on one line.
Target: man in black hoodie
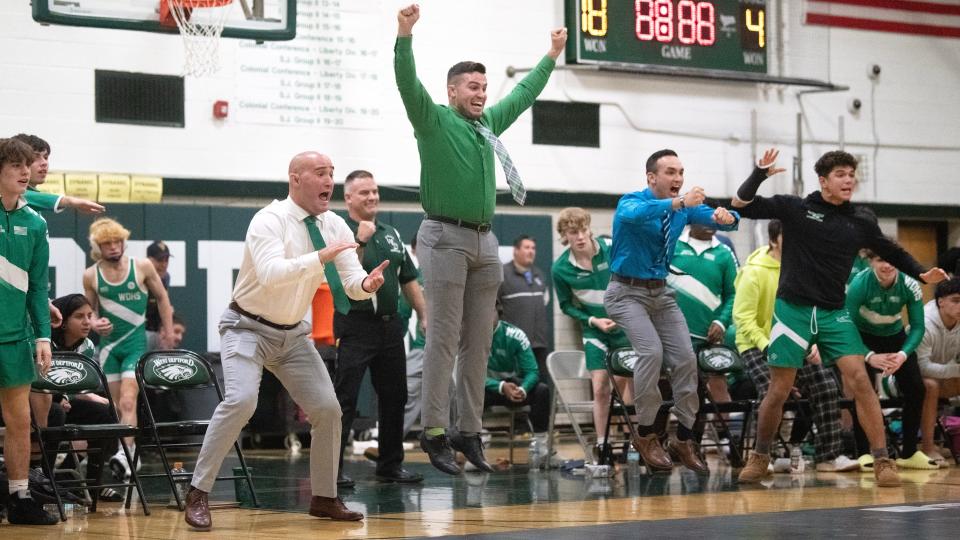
{"points": [[825, 233]]}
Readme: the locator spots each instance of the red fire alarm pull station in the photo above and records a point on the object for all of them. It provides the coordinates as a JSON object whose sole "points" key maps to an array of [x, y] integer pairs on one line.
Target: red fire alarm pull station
{"points": [[221, 109]]}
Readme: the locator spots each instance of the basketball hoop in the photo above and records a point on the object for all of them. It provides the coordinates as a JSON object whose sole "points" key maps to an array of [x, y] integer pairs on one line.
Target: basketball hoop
{"points": [[201, 23]]}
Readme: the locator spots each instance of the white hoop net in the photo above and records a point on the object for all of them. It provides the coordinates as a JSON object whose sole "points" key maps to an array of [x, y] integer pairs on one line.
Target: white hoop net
{"points": [[200, 27]]}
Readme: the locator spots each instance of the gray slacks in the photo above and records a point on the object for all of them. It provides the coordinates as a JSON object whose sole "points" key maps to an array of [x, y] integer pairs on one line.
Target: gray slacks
{"points": [[658, 333], [461, 275], [246, 347]]}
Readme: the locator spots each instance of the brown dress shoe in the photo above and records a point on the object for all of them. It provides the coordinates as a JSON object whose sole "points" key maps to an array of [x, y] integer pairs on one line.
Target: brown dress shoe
{"points": [[197, 511], [333, 508], [688, 454], [652, 452]]}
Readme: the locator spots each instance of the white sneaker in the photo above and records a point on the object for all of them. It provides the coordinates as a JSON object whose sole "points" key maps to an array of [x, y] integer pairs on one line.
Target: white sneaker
{"points": [[840, 464], [119, 465]]}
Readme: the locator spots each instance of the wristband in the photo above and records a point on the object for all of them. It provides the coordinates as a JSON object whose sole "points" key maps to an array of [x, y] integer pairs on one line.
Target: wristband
{"points": [[748, 190]]}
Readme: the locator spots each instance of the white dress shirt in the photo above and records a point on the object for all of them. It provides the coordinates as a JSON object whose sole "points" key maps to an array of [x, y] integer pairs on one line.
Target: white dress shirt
{"points": [[281, 270]]}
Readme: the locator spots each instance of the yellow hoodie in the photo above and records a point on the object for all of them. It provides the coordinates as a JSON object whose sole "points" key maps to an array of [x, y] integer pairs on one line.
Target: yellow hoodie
{"points": [[756, 286]]}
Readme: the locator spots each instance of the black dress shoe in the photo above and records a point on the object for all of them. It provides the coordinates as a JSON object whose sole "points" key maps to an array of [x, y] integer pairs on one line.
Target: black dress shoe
{"points": [[344, 481], [441, 455], [472, 449], [400, 476]]}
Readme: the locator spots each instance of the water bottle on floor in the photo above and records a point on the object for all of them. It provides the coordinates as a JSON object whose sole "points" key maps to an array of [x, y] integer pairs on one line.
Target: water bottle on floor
{"points": [[797, 463], [179, 483]]}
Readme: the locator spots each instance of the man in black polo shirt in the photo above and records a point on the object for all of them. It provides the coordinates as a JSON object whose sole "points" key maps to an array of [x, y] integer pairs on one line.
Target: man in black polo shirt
{"points": [[159, 256], [371, 334]]}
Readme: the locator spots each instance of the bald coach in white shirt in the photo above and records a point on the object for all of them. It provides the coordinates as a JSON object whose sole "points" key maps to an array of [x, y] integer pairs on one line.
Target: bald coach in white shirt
{"points": [[264, 328]]}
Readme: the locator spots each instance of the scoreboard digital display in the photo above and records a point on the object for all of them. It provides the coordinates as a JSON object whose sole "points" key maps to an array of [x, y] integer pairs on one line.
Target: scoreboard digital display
{"points": [[727, 35]]}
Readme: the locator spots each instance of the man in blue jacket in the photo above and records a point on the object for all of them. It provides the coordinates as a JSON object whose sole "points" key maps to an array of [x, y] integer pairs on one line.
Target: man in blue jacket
{"points": [[646, 227]]}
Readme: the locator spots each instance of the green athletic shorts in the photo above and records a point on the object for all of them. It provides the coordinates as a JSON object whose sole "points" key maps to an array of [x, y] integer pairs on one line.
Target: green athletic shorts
{"points": [[17, 366], [119, 359], [596, 345], [796, 328]]}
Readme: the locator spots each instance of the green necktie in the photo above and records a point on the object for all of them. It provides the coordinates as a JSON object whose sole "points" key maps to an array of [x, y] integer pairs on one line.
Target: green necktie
{"points": [[340, 300]]}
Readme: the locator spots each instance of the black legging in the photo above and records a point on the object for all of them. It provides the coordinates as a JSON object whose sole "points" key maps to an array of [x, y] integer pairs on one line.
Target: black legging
{"points": [[909, 383]]}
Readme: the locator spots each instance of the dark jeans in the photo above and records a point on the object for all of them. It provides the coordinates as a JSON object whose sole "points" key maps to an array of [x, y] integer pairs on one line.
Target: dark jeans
{"points": [[909, 383], [538, 399], [541, 353], [366, 340], [85, 412]]}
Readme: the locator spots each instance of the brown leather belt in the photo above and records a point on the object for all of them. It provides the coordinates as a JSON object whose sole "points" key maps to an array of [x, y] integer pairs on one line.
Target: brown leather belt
{"points": [[236, 307], [479, 227], [638, 282]]}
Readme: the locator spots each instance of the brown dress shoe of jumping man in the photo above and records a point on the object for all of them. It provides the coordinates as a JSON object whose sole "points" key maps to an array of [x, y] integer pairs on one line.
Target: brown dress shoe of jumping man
{"points": [[333, 508], [652, 453], [197, 511]]}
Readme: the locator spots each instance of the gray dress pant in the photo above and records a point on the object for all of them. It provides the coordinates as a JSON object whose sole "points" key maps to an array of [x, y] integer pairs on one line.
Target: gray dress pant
{"points": [[658, 333], [246, 347], [461, 275]]}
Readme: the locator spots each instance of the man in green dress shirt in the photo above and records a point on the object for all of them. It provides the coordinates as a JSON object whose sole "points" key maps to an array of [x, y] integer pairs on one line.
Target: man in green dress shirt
{"points": [[458, 252]]}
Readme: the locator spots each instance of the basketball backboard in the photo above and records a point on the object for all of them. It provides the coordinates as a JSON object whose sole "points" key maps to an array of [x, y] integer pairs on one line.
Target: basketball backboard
{"points": [[261, 20]]}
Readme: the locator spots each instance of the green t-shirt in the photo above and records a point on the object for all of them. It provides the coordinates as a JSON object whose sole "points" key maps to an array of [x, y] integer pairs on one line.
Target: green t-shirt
{"points": [[579, 290], [457, 175], [511, 356], [878, 311], [704, 284], [24, 274], [42, 201], [859, 265]]}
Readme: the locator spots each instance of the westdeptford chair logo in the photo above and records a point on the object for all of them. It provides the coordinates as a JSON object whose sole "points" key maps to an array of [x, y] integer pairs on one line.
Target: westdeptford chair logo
{"points": [[175, 370], [66, 372]]}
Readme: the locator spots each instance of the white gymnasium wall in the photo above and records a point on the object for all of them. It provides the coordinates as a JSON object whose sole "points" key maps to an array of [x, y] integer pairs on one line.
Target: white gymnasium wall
{"points": [[909, 127]]}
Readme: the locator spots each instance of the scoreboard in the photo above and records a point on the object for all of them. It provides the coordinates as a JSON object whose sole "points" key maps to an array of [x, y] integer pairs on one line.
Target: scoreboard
{"points": [[726, 35]]}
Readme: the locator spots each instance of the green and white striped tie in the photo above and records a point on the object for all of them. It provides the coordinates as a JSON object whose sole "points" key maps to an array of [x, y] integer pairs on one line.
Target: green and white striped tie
{"points": [[513, 176]]}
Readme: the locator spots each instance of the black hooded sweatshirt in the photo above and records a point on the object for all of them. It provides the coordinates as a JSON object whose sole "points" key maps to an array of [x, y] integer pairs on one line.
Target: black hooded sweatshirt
{"points": [[820, 242]]}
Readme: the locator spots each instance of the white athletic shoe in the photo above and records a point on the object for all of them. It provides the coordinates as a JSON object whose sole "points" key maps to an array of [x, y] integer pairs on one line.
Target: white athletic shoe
{"points": [[119, 465], [840, 464]]}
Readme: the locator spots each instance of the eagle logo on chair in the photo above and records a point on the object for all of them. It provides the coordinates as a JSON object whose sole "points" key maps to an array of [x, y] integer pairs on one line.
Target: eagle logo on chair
{"points": [[627, 358], [175, 369], [717, 358], [63, 374]]}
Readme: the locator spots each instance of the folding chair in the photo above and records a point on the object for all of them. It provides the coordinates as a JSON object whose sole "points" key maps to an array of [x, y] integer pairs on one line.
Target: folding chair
{"points": [[74, 373], [178, 370], [721, 360], [509, 415], [573, 389], [620, 363]]}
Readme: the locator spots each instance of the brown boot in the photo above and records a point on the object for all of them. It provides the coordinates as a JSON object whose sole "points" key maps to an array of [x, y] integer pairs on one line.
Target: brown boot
{"points": [[687, 453], [755, 469], [197, 511], [652, 453], [333, 508], [885, 472]]}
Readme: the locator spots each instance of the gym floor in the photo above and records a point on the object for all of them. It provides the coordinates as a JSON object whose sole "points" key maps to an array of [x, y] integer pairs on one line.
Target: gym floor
{"points": [[520, 503]]}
